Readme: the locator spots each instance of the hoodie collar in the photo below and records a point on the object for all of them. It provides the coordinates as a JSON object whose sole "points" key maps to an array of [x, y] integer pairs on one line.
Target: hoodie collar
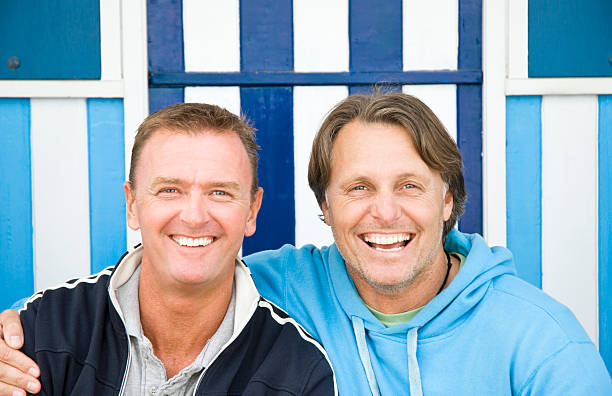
{"points": [[443, 312]]}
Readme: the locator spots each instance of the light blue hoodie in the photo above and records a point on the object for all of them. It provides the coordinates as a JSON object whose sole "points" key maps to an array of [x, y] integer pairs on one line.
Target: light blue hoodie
{"points": [[487, 333]]}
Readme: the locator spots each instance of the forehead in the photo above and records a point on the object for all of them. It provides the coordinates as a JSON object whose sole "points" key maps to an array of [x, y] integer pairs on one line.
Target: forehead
{"points": [[194, 155], [361, 146]]}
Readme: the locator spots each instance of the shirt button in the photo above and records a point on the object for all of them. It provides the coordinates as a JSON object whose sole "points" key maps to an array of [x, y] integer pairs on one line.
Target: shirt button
{"points": [[153, 390]]}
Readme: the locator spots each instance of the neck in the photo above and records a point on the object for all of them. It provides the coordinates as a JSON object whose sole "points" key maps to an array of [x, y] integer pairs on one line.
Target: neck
{"points": [[168, 318], [415, 294]]}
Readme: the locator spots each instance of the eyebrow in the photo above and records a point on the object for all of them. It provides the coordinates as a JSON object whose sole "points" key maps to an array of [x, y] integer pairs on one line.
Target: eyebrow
{"points": [[225, 184], [164, 180], [230, 185]]}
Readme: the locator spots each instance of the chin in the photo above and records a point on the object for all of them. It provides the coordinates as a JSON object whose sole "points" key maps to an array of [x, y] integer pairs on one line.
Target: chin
{"points": [[385, 284], [389, 287]]}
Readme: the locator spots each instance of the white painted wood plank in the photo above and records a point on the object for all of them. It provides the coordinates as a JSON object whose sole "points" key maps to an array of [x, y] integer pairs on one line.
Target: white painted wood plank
{"points": [[431, 35], [494, 122], [226, 97], [518, 37], [60, 190], [136, 88], [110, 39], [441, 99], [569, 204], [61, 89], [310, 106], [211, 35], [320, 31], [560, 86]]}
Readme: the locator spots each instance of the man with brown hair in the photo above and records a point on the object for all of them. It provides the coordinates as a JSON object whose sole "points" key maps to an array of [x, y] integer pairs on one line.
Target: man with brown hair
{"points": [[403, 302], [179, 315]]}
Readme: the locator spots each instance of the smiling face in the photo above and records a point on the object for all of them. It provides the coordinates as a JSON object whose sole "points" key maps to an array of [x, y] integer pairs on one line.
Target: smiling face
{"points": [[386, 207], [192, 202]]}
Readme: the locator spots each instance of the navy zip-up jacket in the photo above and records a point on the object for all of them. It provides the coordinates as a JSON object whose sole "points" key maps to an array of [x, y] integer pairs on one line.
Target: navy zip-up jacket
{"points": [[77, 336]]}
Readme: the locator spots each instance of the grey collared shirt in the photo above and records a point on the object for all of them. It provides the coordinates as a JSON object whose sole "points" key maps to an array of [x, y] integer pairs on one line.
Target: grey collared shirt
{"points": [[147, 375]]}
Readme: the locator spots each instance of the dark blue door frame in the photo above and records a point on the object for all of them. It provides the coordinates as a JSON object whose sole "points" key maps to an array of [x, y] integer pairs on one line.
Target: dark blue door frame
{"points": [[267, 79]]}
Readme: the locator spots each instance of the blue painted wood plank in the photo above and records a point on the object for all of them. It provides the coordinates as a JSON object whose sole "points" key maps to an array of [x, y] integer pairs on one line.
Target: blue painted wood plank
{"points": [[375, 35], [266, 35], [50, 39], [165, 49], [469, 112], [271, 111], [16, 250], [470, 34], [266, 44], [165, 35], [469, 139], [292, 78], [570, 38], [524, 185], [605, 232], [107, 230], [163, 97]]}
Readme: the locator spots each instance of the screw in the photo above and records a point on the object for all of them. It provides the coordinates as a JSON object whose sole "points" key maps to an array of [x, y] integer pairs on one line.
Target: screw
{"points": [[14, 63]]}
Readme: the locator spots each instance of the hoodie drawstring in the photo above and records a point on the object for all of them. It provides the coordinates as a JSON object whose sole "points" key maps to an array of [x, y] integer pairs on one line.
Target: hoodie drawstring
{"points": [[364, 354], [414, 373]]}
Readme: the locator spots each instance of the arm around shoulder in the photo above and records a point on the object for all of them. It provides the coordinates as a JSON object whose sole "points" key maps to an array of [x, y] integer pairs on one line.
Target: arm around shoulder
{"points": [[17, 371]]}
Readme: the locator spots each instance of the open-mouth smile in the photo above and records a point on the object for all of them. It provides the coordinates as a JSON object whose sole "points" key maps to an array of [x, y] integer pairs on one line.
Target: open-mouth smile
{"points": [[191, 241], [386, 242]]}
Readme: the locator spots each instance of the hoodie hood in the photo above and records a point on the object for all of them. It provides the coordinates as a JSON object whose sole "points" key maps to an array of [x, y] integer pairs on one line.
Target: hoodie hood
{"points": [[442, 314], [446, 310]]}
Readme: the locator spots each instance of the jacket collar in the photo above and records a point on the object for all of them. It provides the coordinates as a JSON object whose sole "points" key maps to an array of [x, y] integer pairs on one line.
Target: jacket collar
{"points": [[247, 296]]}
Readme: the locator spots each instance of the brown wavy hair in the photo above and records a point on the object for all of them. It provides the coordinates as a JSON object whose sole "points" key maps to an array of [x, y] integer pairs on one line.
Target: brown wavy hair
{"points": [[430, 138]]}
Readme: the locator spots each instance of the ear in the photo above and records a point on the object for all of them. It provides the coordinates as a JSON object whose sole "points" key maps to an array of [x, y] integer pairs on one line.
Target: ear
{"points": [[130, 206], [251, 224], [325, 209], [448, 205]]}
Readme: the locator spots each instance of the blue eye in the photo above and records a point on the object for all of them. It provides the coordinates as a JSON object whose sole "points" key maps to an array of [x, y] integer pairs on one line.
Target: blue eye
{"points": [[359, 188], [167, 191], [407, 186], [217, 192]]}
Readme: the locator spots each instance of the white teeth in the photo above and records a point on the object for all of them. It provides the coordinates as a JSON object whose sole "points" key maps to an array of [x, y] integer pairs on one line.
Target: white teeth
{"points": [[192, 242], [395, 249], [386, 239]]}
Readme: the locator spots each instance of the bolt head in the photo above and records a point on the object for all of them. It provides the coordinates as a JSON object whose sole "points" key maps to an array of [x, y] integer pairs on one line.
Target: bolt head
{"points": [[14, 63]]}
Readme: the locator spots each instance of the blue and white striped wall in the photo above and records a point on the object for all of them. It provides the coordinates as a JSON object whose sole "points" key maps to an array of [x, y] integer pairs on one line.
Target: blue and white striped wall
{"points": [[547, 131], [62, 167]]}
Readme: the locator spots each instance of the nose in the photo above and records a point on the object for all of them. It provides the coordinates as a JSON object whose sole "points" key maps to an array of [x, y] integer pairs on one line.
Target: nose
{"points": [[386, 207], [195, 210]]}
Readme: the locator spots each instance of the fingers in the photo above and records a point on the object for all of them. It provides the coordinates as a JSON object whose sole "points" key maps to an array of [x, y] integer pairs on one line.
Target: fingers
{"points": [[10, 326], [14, 382], [16, 369]]}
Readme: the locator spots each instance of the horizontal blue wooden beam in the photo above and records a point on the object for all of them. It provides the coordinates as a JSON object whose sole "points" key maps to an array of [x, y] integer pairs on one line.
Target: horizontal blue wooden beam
{"points": [[288, 78]]}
